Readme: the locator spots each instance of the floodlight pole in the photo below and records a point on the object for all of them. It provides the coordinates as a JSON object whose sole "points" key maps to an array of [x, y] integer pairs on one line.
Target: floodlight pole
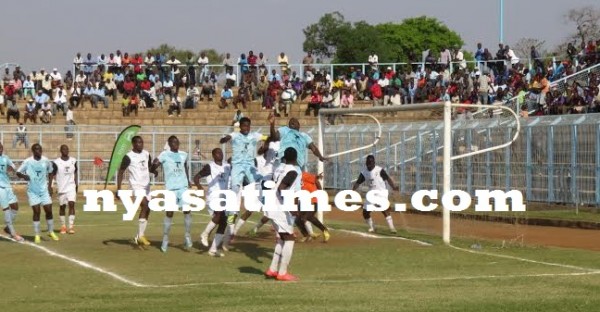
{"points": [[501, 21], [447, 170]]}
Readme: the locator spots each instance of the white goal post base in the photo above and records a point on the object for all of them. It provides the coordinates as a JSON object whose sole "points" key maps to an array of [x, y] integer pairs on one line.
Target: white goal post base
{"points": [[447, 148]]}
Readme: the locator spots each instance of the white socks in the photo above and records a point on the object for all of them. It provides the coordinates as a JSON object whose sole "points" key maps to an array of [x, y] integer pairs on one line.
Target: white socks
{"points": [[216, 242], [309, 228], [50, 225], [390, 223], [63, 220], [142, 227], [286, 256], [240, 222], [8, 220], [209, 228], [187, 223], [167, 228], [36, 227], [71, 221], [276, 255], [370, 224]]}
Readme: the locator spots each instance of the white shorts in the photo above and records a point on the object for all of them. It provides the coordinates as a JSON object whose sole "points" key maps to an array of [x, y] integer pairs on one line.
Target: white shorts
{"points": [[65, 198], [145, 189], [283, 221]]}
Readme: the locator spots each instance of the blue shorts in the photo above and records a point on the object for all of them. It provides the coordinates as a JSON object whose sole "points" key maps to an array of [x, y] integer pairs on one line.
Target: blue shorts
{"points": [[7, 197], [241, 173], [41, 198]]}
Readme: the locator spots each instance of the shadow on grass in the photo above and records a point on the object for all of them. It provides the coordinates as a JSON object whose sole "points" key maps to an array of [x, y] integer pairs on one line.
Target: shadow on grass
{"points": [[253, 251], [131, 243], [250, 270]]}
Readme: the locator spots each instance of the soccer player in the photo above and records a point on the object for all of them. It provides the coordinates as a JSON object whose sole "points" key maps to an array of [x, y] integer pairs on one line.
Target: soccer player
{"points": [[243, 169], [287, 176], [311, 183], [35, 171], [375, 177], [65, 173], [265, 163], [175, 170], [291, 136], [137, 163], [8, 200], [217, 176]]}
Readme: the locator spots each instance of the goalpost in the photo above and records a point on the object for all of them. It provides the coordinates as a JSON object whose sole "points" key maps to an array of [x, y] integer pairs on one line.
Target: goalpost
{"points": [[447, 140]]}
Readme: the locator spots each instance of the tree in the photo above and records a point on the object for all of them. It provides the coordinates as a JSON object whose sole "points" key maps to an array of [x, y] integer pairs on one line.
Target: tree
{"points": [[168, 51], [415, 35], [587, 21], [322, 38], [333, 37], [523, 47]]}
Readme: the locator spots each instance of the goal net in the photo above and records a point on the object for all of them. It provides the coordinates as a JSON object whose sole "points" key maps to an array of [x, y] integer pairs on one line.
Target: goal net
{"points": [[408, 142]]}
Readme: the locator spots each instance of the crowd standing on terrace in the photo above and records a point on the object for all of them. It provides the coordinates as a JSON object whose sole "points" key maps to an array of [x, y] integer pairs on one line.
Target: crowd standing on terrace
{"points": [[156, 81]]}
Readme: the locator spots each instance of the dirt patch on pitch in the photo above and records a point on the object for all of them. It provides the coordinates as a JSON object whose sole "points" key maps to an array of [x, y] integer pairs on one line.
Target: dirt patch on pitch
{"points": [[531, 235]]}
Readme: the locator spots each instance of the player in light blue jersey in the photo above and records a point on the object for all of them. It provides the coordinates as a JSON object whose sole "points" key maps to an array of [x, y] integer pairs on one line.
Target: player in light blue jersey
{"points": [[243, 168], [8, 200], [175, 170], [291, 136], [35, 171]]}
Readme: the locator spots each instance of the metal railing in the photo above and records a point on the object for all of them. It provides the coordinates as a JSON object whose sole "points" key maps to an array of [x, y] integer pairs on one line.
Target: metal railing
{"points": [[556, 158]]}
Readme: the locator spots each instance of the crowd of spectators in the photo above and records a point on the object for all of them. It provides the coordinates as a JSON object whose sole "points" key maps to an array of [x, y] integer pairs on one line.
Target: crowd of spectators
{"points": [[155, 82]]}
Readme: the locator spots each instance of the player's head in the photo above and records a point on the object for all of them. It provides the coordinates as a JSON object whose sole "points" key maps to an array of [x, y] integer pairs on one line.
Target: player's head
{"points": [[36, 149], [64, 150], [138, 143], [294, 124], [245, 125], [370, 162], [290, 155], [173, 143], [217, 154]]}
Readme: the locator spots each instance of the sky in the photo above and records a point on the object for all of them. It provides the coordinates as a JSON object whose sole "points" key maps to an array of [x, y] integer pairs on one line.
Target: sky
{"points": [[46, 34]]}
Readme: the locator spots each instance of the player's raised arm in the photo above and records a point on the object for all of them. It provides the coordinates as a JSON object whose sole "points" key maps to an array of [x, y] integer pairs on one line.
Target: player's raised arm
{"points": [[274, 136], [151, 167], [317, 152], [225, 139]]}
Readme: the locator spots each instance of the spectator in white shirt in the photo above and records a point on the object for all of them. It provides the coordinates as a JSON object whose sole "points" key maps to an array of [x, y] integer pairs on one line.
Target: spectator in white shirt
{"points": [[373, 59], [45, 113], [70, 123], [202, 64], [28, 87], [60, 101], [282, 60]]}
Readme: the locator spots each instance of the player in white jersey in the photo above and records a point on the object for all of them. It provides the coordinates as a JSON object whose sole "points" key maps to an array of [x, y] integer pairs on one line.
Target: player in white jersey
{"points": [[266, 163], [217, 176], [137, 163], [376, 178], [287, 177], [8, 200], [175, 170], [65, 174], [35, 171]]}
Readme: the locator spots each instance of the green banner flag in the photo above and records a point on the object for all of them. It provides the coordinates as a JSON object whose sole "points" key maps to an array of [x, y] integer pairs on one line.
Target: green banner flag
{"points": [[122, 146]]}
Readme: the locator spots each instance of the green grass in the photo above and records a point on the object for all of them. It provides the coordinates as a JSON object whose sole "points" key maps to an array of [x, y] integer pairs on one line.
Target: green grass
{"points": [[350, 273]]}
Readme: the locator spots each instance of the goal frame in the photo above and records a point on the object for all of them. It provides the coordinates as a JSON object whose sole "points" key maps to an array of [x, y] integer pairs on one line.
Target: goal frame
{"points": [[447, 147]]}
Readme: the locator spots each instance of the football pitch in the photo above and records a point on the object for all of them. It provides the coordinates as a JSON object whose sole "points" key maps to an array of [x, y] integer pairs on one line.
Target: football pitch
{"points": [[100, 269]]}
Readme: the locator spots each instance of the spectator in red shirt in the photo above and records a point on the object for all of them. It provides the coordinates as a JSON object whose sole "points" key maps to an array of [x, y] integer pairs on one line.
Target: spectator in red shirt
{"points": [[314, 104], [376, 94], [128, 85]]}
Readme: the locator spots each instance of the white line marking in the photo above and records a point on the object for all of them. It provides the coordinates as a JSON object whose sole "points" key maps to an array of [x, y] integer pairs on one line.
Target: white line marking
{"points": [[399, 280], [80, 263], [566, 266], [385, 237], [350, 281]]}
